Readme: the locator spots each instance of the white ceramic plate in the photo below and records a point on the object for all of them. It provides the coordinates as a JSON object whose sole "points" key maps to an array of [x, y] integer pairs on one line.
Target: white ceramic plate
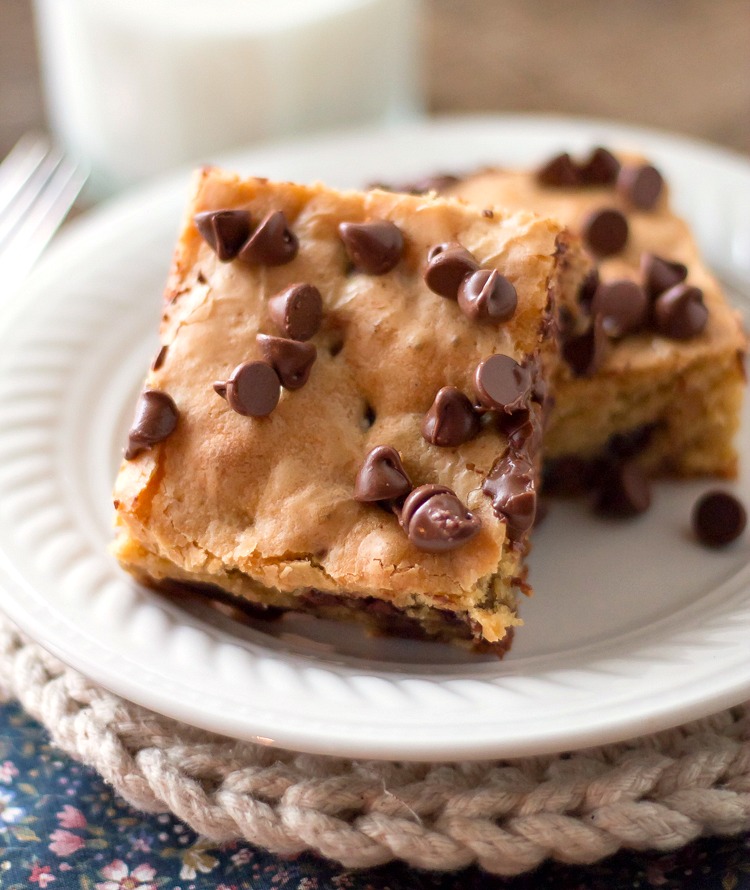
{"points": [[633, 627]]}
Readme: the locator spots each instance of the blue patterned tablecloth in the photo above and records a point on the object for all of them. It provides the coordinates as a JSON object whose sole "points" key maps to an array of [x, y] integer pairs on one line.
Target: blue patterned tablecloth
{"points": [[62, 828]]}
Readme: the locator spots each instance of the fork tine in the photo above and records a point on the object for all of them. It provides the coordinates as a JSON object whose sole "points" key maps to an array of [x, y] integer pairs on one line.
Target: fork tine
{"points": [[41, 219], [19, 165], [53, 203], [26, 194]]}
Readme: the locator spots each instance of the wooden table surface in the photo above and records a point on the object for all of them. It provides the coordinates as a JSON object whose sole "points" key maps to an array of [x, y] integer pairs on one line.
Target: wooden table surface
{"points": [[680, 65]]}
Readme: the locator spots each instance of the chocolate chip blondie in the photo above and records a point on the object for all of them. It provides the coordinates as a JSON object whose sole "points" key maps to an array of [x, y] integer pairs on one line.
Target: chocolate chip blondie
{"points": [[652, 354], [345, 414]]}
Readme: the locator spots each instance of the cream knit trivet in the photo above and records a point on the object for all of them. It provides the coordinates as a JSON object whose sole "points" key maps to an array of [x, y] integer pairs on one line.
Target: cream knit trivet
{"points": [[657, 792]]}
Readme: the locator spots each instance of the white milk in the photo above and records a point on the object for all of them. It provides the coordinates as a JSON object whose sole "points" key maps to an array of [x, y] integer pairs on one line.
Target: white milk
{"points": [[138, 86]]}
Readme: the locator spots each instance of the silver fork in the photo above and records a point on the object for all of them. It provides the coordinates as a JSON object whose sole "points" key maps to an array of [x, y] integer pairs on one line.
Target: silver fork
{"points": [[38, 186]]}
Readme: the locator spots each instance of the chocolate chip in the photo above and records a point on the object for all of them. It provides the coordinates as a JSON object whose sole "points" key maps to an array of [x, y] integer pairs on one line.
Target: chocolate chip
{"points": [[622, 306], [291, 359], [271, 244], [297, 311], [601, 168], [225, 231], [159, 358], [587, 352], [624, 490], [451, 419], [155, 420], [605, 231], [632, 442], [588, 288], [487, 296], [718, 519], [253, 389], [680, 313], [559, 172], [435, 520], [447, 266], [660, 274], [502, 384], [569, 475], [523, 429], [381, 477], [511, 485], [641, 186], [418, 497], [374, 247]]}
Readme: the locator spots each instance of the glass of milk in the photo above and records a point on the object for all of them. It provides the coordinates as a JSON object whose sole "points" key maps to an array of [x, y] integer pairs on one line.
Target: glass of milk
{"points": [[136, 87]]}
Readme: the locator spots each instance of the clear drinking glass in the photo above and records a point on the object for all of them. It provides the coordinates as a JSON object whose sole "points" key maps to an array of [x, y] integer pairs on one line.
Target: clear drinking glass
{"points": [[138, 86]]}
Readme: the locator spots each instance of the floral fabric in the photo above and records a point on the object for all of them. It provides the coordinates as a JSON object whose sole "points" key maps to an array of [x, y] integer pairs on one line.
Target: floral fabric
{"points": [[62, 828]]}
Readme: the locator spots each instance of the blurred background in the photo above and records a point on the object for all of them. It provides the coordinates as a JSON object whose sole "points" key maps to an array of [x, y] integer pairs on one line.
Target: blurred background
{"points": [[680, 65]]}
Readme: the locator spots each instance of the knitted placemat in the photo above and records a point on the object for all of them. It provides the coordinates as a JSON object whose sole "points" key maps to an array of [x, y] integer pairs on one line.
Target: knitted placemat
{"points": [[657, 792]]}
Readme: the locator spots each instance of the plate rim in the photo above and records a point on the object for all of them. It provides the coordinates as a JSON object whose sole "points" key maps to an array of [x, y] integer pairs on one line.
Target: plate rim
{"points": [[116, 210]]}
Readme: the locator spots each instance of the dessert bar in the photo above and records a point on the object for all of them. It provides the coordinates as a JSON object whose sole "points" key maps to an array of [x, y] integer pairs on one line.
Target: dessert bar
{"points": [[653, 355], [344, 417]]}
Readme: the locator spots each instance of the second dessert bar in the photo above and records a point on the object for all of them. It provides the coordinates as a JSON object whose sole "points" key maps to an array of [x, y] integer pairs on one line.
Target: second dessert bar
{"points": [[652, 354]]}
